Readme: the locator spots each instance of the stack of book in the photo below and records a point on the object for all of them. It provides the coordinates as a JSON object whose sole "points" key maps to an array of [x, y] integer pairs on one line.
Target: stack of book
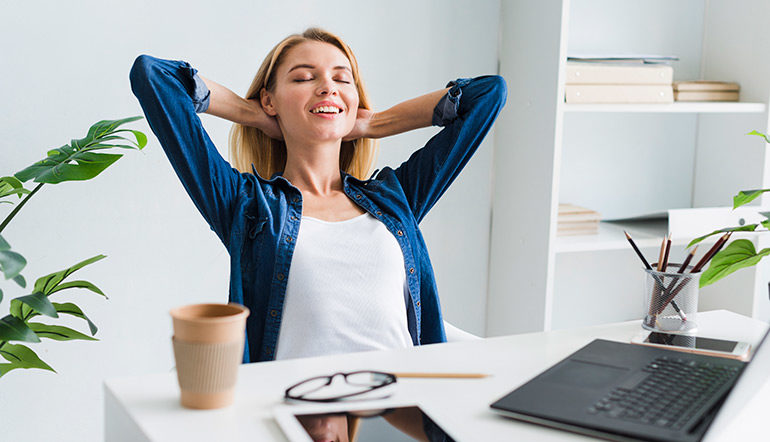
{"points": [[619, 80], [706, 91], [575, 220]]}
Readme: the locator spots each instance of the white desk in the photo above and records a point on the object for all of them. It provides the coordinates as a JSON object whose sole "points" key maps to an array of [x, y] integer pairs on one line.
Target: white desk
{"points": [[146, 408]]}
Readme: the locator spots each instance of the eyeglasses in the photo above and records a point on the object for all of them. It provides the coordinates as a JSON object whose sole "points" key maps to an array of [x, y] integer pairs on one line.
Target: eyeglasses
{"points": [[356, 384]]}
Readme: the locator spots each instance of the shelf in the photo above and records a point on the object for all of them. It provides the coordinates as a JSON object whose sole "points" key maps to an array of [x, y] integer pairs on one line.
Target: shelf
{"points": [[676, 107], [611, 237]]}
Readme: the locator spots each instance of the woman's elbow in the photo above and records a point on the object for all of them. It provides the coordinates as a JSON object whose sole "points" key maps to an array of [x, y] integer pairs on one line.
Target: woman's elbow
{"points": [[498, 88], [141, 71]]}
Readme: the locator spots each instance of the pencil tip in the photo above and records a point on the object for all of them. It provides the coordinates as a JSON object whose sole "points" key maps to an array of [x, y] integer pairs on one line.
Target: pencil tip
{"points": [[627, 235]]}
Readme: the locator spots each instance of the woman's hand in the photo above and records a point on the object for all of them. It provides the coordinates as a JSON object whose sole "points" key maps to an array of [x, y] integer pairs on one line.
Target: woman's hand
{"points": [[361, 129], [264, 122]]}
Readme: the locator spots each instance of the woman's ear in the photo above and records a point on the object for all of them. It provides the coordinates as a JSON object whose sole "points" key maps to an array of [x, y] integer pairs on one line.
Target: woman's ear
{"points": [[267, 102]]}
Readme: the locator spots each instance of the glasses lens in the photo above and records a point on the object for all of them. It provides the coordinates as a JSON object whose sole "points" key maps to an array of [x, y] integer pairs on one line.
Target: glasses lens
{"points": [[339, 386], [309, 387], [368, 379]]}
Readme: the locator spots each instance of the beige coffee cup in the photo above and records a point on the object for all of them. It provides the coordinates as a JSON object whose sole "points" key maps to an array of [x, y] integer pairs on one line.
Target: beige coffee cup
{"points": [[208, 348]]}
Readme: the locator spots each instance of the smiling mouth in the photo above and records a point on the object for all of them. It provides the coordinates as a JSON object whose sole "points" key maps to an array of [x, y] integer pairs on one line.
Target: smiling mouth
{"points": [[326, 110]]}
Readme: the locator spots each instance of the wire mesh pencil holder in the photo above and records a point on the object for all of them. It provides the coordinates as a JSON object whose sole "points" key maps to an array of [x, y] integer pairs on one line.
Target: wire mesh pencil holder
{"points": [[671, 299]]}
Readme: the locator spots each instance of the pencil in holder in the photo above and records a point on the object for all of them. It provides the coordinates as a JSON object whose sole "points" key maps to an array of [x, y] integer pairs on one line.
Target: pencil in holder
{"points": [[671, 299]]}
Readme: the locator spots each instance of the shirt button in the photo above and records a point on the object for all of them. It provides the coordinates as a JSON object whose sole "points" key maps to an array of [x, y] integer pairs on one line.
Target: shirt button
{"points": [[358, 196], [400, 233], [411, 270], [288, 239], [378, 213], [418, 303], [296, 199], [293, 218], [280, 276], [274, 313]]}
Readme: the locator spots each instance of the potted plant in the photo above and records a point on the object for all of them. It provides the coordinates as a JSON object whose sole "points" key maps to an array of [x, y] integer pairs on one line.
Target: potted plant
{"points": [[740, 253], [80, 160]]}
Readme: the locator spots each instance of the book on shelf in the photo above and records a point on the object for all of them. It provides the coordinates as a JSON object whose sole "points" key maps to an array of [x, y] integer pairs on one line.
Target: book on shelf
{"points": [[706, 95], [706, 91], [576, 220], [613, 73], [618, 93], [623, 58], [701, 85]]}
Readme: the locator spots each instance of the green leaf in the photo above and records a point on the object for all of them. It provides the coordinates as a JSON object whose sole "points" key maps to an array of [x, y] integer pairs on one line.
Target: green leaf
{"points": [[14, 329], [746, 228], [1, 295], [11, 186], [39, 302], [78, 284], [72, 309], [4, 244], [56, 171], [18, 279], [766, 224], [753, 132], [11, 263], [58, 166], [58, 332], [747, 196], [737, 255], [45, 284], [21, 356], [17, 308]]}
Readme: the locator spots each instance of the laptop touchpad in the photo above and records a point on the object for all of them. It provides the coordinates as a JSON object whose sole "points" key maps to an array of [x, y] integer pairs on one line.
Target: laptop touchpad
{"points": [[585, 374]]}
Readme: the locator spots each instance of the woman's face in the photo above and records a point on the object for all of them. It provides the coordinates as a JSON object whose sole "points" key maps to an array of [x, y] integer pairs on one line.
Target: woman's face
{"points": [[315, 97], [326, 427]]}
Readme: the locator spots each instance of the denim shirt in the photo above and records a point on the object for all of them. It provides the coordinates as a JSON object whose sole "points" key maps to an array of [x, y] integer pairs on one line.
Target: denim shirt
{"points": [[258, 219]]}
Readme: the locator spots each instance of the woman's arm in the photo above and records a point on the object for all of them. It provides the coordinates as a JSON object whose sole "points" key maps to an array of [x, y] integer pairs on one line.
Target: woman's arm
{"points": [[403, 117], [467, 112], [170, 97], [226, 104]]}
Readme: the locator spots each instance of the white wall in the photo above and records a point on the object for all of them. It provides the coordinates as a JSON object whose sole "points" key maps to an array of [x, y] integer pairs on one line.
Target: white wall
{"points": [[65, 65]]}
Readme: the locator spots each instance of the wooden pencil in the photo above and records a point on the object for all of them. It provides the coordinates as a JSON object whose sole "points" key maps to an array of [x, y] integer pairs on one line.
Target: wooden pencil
{"points": [[638, 252], [660, 255], [441, 375], [666, 253]]}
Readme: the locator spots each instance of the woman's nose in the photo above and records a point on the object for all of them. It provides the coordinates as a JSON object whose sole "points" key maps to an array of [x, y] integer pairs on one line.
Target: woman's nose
{"points": [[327, 87]]}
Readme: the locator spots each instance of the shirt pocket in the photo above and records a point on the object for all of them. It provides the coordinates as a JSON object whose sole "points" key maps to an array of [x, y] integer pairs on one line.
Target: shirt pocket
{"points": [[255, 235]]}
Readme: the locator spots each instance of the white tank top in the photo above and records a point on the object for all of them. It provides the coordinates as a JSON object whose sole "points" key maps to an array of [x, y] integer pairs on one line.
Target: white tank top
{"points": [[346, 290]]}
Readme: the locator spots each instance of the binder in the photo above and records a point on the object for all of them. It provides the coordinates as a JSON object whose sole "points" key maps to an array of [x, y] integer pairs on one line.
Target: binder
{"points": [[614, 73], [634, 93]]}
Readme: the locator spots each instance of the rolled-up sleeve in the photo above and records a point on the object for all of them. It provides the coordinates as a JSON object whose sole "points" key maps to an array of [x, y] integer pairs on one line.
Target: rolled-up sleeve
{"points": [[467, 112]]}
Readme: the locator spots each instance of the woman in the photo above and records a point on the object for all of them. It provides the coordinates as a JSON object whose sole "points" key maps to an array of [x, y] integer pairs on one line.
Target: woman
{"points": [[328, 259]]}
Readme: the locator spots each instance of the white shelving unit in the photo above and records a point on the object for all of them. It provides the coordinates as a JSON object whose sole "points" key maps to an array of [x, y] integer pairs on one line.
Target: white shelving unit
{"points": [[619, 158], [674, 107]]}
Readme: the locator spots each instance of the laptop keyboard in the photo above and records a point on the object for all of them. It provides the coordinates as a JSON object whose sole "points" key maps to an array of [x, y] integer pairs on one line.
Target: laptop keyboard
{"points": [[667, 393]]}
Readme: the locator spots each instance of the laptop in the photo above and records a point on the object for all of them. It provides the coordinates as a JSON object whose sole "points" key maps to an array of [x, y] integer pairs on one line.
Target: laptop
{"points": [[627, 392]]}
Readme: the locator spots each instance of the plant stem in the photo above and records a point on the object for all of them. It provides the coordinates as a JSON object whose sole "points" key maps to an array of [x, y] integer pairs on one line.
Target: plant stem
{"points": [[2, 343], [18, 207]]}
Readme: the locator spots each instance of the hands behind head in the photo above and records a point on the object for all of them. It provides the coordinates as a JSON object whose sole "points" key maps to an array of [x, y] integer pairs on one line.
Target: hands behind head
{"points": [[362, 127], [264, 122], [269, 125]]}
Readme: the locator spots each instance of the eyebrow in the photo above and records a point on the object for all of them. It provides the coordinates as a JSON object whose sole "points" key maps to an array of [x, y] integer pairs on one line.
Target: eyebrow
{"points": [[310, 66]]}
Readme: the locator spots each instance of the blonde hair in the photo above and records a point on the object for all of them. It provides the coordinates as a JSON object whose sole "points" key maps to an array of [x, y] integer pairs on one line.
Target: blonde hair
{"points": [[250, 146]]}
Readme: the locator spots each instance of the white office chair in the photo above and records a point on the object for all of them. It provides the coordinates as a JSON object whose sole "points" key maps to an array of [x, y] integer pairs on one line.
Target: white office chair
{"points": [[454, 334]]}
